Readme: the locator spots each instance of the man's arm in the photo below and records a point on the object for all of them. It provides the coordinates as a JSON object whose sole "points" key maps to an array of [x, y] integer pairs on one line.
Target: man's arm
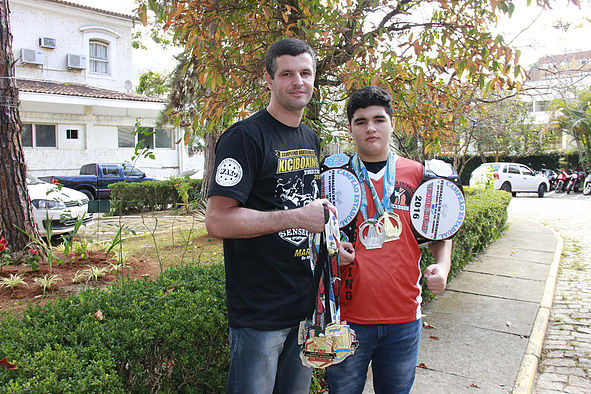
{"points": [[436, 274], [225, 218]]}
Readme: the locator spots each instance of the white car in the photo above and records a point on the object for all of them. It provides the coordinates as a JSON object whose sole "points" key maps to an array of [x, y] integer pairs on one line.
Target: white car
{"points": [[61, 206], [510, 177]]}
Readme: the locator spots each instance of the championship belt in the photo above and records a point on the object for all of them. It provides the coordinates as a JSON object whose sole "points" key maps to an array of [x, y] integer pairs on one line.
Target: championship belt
{"points": [[438, 206], [324, 339]]}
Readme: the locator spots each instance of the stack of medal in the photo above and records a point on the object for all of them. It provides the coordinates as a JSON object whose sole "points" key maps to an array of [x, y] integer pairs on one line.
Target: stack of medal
{"points": [[373, 232], [325, 340]]}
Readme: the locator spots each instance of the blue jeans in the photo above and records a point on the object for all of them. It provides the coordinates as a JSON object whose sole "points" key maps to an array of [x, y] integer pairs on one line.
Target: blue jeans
{"points": [[264, 362], [393, 350]]}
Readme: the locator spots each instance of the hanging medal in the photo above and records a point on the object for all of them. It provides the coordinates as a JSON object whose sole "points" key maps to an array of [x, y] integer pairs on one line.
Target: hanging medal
{"points": [[373, 232], [392, 232]]}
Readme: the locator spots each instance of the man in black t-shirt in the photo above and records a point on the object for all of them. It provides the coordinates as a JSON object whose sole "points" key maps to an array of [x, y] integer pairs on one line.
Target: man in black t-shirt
{"points": [[264, 202]]}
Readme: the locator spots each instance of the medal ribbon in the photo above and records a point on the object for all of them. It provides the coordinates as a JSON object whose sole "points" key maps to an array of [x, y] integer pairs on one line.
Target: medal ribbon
{"points": [[389, 179], [324, 258]]}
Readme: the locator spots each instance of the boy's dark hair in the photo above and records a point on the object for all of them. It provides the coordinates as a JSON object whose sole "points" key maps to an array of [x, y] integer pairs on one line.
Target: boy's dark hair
{"points": [[368, 96], [286, 46]]}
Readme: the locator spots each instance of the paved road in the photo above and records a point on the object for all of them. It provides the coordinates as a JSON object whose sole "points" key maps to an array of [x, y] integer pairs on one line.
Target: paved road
{"points": [[565, 365]]}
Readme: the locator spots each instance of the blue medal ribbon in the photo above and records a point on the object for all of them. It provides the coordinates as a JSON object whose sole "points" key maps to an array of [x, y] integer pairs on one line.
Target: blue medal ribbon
{"points": [[389, 179]]}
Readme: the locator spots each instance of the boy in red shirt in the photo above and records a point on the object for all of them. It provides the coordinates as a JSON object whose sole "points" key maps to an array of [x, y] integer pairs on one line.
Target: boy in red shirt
{"points": [[381, 290]]}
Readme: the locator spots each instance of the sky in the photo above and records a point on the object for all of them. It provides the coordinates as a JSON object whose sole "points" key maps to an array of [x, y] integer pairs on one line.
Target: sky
{"points": [[535, 32]]}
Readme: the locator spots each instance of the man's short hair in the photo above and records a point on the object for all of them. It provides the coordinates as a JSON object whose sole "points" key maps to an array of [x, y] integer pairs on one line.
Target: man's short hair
{"points": [[368, 96], [286, 46]]}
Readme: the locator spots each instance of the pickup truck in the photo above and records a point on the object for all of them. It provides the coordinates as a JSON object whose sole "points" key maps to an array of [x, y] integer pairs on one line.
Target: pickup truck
{"points": [[94, 178]]}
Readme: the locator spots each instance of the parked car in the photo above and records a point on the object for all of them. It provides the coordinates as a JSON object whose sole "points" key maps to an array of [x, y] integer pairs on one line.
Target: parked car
{"points": [[61, 206], [94, 178], [510, 177]]}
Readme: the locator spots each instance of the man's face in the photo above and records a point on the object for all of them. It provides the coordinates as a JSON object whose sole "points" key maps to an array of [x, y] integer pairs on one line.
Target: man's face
{"points": [[372, 129], [293, 84]]}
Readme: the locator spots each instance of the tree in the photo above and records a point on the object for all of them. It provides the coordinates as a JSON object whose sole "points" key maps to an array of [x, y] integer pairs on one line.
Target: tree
{"points": [[428, 54], [496, 126], [573, 117], [152, 84], [15, 203]]}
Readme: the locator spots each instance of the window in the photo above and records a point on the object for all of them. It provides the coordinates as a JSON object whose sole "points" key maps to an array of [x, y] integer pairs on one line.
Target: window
{"points": [[38, 135], [526, 171], [71, 134], [99, 57], [110, 170], [88, 169], [126, 137], [543, 105], [147, 138], [129, 171], [513, 169], [163, 139], [159, 138]]}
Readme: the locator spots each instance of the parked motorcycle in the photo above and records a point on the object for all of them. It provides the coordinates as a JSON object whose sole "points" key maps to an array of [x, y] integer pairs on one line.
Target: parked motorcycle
{"points": [[587, 185], [561, 180], [552, 177], [574, 181]]}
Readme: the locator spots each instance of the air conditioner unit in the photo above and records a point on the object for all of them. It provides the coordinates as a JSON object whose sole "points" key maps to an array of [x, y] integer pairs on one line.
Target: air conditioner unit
{"points": [[46, 42], [31, 56], [76, 62]]}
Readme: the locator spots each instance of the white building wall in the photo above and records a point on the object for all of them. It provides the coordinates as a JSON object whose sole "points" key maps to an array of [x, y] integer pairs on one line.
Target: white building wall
{"points": [[97, 120], [72, 28]]}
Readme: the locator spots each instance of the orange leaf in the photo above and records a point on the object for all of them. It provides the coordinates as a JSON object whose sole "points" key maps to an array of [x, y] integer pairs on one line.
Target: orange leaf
{"points": [[4, 363], [423, 365], [434, 337]]}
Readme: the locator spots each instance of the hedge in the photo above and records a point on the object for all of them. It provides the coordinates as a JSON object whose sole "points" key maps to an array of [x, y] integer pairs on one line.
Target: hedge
{"points": [[486, 218], [130, 197], [167, 335]]}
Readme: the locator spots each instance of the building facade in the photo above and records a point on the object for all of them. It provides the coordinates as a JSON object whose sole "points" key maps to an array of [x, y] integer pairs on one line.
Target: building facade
{"points": [[74, 71], [556, 77]]}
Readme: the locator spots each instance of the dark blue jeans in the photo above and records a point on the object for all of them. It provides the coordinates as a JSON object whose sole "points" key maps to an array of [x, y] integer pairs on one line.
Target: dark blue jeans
{"points": [[265, 362], [393, 350]]}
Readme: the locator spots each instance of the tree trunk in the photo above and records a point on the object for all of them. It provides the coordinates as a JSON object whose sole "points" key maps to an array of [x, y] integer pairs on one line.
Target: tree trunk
{"points": [[15, 205], [211, 139]]}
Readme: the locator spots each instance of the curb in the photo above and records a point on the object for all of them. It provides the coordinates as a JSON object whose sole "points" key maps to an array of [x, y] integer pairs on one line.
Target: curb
{"points": [[529, 363]]}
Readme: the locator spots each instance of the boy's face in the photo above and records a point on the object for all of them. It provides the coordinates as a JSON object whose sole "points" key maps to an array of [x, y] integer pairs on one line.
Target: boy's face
{"points": [[372, 129], [293, 82]]}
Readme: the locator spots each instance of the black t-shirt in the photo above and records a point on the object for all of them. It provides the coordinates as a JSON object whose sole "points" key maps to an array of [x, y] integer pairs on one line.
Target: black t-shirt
{"points": [[266, 165]]}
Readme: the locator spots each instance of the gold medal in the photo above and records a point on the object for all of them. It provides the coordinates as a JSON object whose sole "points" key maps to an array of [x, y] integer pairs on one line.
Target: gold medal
{"points": [[338, 343], [392, 231]]}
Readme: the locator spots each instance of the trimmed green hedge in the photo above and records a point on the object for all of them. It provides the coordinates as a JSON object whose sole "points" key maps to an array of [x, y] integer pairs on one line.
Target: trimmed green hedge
{"points": [[167, 335], [130, 197], [486, 218]]}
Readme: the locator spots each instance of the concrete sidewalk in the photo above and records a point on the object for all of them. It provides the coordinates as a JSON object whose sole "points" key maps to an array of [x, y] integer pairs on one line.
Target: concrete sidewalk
{"points": [[489, 325]]}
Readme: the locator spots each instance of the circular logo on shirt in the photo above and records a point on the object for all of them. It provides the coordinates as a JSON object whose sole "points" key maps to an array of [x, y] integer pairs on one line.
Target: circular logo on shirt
{"points": [[229, 173]]}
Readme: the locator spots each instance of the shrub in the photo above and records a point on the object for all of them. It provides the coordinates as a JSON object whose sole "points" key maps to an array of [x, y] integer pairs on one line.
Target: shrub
{"points": [[128, 197], [486, 218], [164, 335]]}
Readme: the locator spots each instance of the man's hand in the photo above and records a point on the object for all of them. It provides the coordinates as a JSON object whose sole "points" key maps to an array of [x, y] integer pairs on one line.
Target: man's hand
{"points": [[436, 278], [347, 253], [311, 216]]}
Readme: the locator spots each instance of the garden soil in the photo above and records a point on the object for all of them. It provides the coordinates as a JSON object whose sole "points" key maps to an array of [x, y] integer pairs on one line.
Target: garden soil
{"points": [[137, 267]]}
